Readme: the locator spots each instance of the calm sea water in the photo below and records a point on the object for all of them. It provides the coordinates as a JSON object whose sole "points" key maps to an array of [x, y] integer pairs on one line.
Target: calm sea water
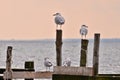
{"points": [[37, 50]]}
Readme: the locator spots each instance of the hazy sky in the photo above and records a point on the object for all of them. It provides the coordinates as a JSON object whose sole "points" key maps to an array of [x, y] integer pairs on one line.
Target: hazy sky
{"points": [[33, 19]]}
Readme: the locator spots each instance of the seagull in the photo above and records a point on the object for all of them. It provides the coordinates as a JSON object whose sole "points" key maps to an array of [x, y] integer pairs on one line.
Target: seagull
{"points": [[67, 62], [83, 31], [59, 20], [47, 63]]}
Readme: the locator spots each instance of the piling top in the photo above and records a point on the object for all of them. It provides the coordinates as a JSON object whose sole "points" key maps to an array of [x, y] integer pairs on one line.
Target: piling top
{"points": [[29, 65], [10, 47]]}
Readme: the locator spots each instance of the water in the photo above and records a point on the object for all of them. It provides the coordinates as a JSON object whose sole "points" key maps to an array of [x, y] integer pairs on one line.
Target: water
{"points": [[36, 50]]}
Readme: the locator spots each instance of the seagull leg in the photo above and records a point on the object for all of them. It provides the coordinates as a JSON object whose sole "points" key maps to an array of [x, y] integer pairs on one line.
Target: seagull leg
{"points": [[46, 69], [49, 69], [82, 36], [85, 36], [56, 27], [60, 27]]}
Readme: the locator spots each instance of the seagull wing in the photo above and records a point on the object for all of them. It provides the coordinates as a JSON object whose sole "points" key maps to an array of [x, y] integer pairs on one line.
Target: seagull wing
{"points": [[59, 20], [83, 31], [67, 63], [47, 63]]}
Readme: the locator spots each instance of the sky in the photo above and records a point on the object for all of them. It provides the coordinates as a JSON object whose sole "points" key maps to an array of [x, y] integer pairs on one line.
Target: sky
{"points": [[33, 19]]}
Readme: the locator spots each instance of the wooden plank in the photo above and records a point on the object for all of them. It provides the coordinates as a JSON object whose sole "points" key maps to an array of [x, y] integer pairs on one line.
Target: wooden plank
{"points": [[109, 75], [79, 77], [27, 74], [16, 69], [73, 70]]}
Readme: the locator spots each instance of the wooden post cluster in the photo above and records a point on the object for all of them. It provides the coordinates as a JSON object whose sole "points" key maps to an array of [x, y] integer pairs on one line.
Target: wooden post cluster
{"points": [[8, 72], [94, 71], [96, 53], [83, 58], [59, 47]]}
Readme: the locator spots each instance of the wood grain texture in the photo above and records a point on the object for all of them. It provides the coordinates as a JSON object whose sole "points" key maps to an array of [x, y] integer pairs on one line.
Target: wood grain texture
{"points": [[27, 74], [73, 70]]}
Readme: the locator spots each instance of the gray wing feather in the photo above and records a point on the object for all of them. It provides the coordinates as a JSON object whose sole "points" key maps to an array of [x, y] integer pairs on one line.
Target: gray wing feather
{"points": [[83, 31], [48, 63], [59, 20]]}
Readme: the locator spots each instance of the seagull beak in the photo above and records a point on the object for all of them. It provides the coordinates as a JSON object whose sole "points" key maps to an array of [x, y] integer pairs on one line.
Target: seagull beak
{"points": [[54, 14]]}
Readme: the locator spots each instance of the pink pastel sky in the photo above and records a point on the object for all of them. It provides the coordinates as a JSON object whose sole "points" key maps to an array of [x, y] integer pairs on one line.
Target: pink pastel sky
{"points": [[32, 19]]}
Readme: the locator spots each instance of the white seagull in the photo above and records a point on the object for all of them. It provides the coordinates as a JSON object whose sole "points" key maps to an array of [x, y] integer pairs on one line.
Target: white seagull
{"points": [[67, 62], [59, 20], [47, 63], [83, 31]]}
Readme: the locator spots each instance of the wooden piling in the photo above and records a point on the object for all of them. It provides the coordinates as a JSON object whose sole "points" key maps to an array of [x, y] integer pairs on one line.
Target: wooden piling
{"points": [[96, 53], [8, 72], [59, 47], [83, 58], [29, 65]]}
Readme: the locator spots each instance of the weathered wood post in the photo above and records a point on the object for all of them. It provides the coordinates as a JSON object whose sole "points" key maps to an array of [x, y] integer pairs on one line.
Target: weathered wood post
{"points": [[96, 53], [83, 58], [8, 72], [29, 66], [59, 47]]}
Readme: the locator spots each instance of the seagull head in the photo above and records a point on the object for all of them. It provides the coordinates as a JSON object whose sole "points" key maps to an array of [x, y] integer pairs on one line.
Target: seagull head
{"points": [[46, 58], [68, 59], [84, 26], [56, 14]]}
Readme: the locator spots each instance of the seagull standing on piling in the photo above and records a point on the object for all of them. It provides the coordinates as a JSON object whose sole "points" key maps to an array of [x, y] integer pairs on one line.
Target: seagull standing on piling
{"points": [[59, 20], [83, 31], [47, 63], [67, 62]]}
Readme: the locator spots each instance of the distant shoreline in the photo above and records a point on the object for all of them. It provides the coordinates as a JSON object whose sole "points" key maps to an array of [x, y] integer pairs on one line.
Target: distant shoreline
{"points": [[70, 39]]}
